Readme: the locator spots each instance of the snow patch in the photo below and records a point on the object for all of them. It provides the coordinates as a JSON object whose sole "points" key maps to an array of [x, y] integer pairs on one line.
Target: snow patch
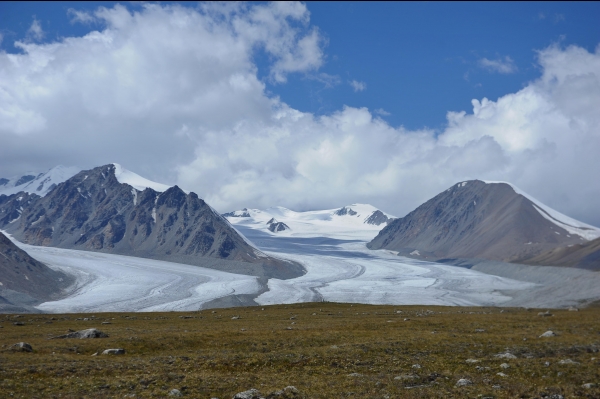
{"points": [[136, 181], [415, 252], [134, 193]]}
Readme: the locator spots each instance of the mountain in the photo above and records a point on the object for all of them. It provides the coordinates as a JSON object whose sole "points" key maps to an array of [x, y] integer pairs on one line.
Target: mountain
{"points": [[482, 220], [25, 281], [39, 184], [356, 220], [110, 209]]}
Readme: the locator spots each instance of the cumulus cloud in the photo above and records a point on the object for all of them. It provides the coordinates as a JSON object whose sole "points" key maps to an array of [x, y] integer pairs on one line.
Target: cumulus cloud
{"points": [[504, 65], [173, 93], [382, 112], [358, 86], [80, 16]]}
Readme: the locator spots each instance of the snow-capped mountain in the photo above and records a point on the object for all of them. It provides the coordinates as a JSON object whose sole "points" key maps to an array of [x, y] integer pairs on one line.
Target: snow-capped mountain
{"points": [[351, 221], [484, 220], [39, 184], [109, 209]]}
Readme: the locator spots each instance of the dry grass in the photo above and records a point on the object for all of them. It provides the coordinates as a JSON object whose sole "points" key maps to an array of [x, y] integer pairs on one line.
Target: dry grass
{"points": [[211, 355]]}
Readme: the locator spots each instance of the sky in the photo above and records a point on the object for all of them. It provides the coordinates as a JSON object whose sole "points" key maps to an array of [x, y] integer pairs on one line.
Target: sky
{"points": [[309, 105]]}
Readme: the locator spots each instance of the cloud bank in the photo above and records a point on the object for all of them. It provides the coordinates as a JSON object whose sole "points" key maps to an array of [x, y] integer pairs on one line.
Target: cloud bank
{"points": [[174, 94]]}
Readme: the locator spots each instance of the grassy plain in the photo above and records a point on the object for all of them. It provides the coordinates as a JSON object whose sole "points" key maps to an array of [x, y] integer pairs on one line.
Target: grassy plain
{"points": [[325, 350]]}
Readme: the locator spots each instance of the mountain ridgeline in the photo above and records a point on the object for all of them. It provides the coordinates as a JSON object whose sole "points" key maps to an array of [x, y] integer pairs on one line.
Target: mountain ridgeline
{"points": [[94, 211], [478, 220]]}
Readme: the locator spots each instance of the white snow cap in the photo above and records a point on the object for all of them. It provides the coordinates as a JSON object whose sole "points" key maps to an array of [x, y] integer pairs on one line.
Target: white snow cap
{"points": [[136, 181], [573, 226], [42, 184]]}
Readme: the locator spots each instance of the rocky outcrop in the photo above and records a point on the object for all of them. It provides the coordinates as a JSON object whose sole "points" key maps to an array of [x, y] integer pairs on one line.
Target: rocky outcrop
{"points": [[93, 211], [476, 220], [345, 211], [377, 218]]}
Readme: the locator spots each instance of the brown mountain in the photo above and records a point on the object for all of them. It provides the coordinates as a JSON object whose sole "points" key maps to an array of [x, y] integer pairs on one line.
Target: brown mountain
{"points": [[480, 220]]}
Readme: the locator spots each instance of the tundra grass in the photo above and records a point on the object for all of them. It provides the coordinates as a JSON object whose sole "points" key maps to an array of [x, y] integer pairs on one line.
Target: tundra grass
{"points": [[325, 350]]}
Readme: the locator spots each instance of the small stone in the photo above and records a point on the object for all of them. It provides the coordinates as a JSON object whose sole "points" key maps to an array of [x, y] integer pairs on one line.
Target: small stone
{"points": [[416, 366], [506, 355], [355, 375], [479, 330], [501, 374], [548, 334], [406, 377], [472, 361], [18, 323], [568, 361], [118, 351], [106, 322], [505, 366], [175, 392], [545, 314], [463, 382], [496, 386], [95, 354], [589, 385], [249, 394], [573, 309], [546, 364], [407, 319], [235, 318], [21, 347]]}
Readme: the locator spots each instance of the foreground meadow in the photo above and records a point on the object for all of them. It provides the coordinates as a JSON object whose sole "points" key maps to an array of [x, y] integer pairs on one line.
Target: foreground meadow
{"points": [[324, 350]]}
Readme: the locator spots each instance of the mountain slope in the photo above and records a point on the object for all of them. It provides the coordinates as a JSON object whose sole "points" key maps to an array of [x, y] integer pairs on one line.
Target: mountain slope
{"points": [[94, 211], [24, 279], [584, 256], [475, 219]]}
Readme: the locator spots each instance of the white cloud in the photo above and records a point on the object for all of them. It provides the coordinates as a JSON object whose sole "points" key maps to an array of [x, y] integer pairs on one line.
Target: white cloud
{"points": [[382, 112], [173, 94], [358, 86], [504, 65], [80, 16], [35, 30]]}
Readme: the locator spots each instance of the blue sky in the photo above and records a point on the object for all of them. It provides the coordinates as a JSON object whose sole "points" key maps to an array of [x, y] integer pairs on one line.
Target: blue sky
{"points": [[309, 105], [417, 60]]}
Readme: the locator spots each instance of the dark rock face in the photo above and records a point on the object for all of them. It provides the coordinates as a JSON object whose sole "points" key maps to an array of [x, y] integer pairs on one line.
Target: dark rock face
{"points": [[474, 220], [3, 181], [12, 206], [244, 214], [93, 211], [20, 273], [345, 211], [24, 179], [377, 218], [278, 226]]}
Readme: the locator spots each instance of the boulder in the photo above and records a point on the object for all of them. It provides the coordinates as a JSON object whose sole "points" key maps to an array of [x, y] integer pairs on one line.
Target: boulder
{"points": [[21, 347], [548, 334], [506, 355], [249, 394], [89, 333], [175, 392], [118, 351], [463, 382]]}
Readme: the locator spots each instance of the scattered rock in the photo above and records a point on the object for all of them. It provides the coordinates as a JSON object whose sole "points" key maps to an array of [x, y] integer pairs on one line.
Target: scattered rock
{"points": [[472, 361], [463, 382], [548, 334], [406, 377], [175, 392], [355, 375], [573, 309], [95, 354], [249, 394], [506, 355], [18, 323], [496, 386], [479, 330], [118, 351], [287, 392], [589, 385], [568, 361], [21, 347], [106, 322], [501, 374], [235, 318], [545, 314], [505, 365], [89, 333], [416, 366]]}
